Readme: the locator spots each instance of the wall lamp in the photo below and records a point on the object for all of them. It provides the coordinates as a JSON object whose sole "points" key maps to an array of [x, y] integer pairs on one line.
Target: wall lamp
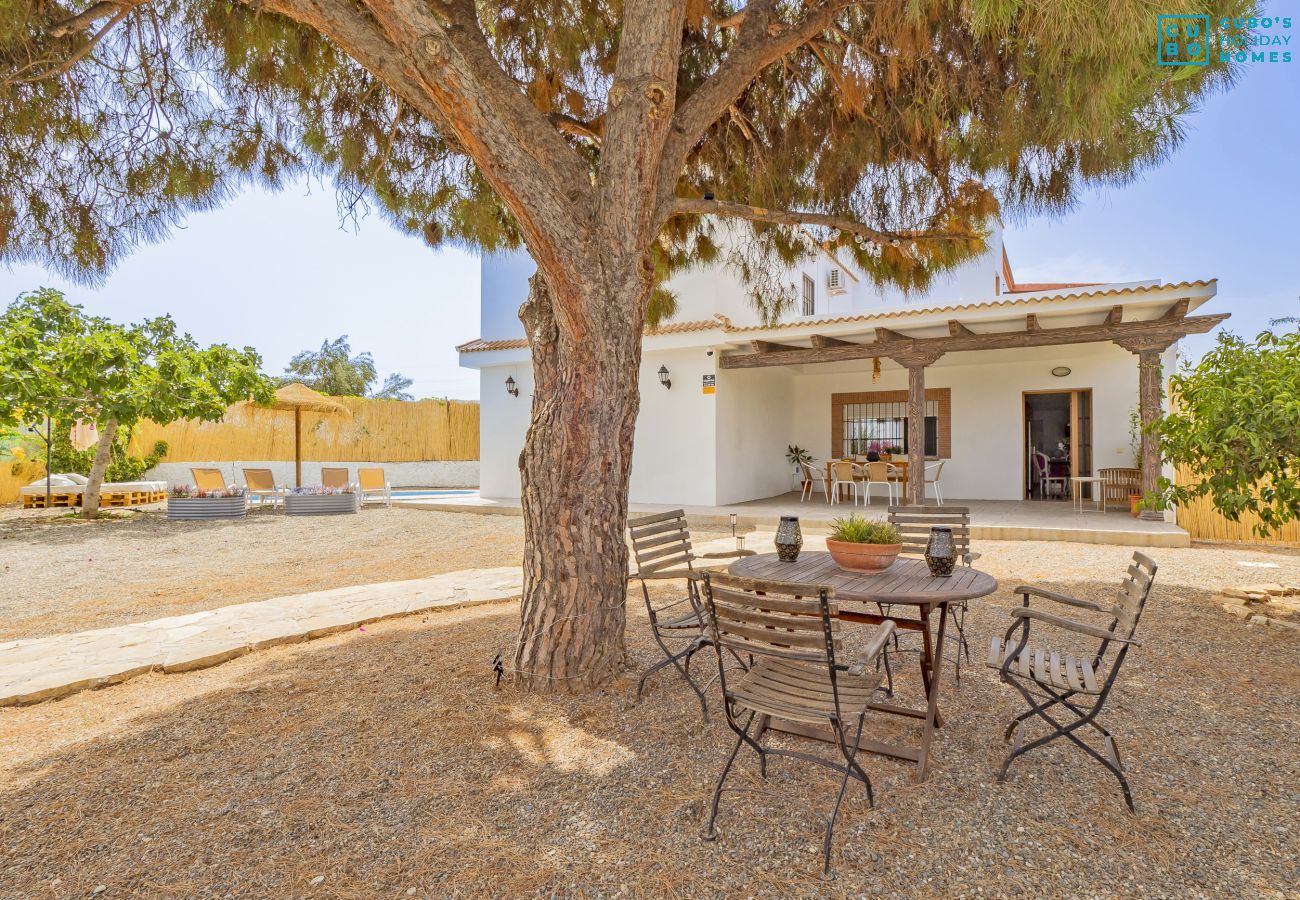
{"points": [[511, 388], [664, 379]]}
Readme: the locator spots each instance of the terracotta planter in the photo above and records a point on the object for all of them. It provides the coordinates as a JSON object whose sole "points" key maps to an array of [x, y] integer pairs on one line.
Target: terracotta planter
{"points": [[863, 557], [1133, 501]]}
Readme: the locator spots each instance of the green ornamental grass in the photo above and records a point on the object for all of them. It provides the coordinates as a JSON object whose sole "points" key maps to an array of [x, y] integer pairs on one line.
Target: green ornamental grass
{"points": [[854, 529]]}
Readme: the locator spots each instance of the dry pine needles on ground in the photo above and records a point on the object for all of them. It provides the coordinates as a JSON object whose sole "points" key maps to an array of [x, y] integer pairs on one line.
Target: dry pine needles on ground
{"points": [[383, 762]]}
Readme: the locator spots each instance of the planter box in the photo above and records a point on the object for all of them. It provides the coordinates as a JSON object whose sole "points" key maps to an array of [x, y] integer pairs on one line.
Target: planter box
{"points": [[206, 507], [321, 504]]}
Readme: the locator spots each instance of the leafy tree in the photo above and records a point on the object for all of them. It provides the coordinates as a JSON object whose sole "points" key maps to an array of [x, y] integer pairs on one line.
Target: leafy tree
{"points": [[394, 388], [57, 361], [1236, 429], [334, 370], [616, 141]]}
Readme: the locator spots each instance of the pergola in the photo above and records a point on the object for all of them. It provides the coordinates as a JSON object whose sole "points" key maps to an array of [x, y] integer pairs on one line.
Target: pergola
{"points": [[1147, 339]]}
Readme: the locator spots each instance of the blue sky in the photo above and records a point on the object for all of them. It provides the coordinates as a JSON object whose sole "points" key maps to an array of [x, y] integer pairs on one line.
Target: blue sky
{"points": [[279, 272]]}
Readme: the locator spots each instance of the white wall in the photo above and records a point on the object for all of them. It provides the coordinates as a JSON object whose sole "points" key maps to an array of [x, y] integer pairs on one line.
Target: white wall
{"points": [[756, 414], [987, 409], [503, 423], [504, 286], [431, 473], [675, 444]]}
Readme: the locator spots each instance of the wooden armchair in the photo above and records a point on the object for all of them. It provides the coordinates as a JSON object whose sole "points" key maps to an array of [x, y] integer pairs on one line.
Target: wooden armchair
{"points": [[661, 547], [798, 672], [1079, 685], [1117, 484]]}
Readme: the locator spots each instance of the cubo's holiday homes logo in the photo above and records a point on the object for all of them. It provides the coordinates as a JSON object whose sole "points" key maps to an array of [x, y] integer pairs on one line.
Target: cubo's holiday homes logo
{"points": [[1192, 40]]}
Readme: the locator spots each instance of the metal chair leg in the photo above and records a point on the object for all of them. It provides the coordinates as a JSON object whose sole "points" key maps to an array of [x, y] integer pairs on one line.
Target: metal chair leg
{"points": [[710, 833], [850, 757]]}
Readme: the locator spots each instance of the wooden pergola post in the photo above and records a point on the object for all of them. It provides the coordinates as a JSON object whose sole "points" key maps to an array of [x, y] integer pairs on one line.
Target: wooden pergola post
{"points": [[915, 364], [1149, 407]]}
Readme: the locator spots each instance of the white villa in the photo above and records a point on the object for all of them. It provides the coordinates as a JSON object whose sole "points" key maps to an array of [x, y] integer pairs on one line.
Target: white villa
{"points": [[1007, 370]]}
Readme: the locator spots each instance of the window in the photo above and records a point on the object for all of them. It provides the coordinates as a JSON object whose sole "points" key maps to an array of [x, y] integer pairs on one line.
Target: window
{"points": [[876, 420], [809, 296]]}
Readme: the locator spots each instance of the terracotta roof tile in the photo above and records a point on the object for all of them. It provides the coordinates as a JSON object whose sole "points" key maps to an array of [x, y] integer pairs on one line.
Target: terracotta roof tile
{"points": [[967, 307], [722, 323]]}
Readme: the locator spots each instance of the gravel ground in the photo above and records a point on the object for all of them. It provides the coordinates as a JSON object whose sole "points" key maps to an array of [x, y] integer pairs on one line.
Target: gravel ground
{"points": [[384, 763], [61, 574]]}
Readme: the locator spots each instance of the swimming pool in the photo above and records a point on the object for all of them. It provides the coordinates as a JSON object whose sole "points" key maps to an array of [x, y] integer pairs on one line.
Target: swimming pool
{"points": [[405, 495]]}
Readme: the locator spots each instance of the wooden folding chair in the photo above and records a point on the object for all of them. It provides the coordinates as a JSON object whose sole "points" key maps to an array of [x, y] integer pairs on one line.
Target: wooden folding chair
{"points": [[1048, 678], [915, 522], [797, 673], [661, 545]]}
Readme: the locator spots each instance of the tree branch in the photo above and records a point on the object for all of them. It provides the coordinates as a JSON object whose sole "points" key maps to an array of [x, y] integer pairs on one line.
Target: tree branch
{"points": [[91, 15], [684, 206], [761, 41]]}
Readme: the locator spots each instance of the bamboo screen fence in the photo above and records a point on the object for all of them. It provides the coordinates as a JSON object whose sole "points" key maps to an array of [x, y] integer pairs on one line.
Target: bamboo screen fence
{"points": [[1204, 523], [373, 431]]}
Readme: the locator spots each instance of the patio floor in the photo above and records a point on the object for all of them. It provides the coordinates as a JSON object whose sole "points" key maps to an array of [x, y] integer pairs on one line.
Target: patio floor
{"points": [[992, 520]]}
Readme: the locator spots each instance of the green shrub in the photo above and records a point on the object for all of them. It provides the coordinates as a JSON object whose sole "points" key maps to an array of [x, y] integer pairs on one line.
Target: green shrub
{"points": [[854, 529], [121, 467]]}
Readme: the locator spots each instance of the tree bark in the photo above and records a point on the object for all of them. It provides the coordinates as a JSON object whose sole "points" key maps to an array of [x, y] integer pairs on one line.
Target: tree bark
{"points": [[103, 455], [916, 435], [574, 473]]}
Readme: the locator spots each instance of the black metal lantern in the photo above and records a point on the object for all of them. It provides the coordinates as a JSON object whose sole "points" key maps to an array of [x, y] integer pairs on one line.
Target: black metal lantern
{"points": [[664, 379], [940, 554], [789, 539], [511, 388]]}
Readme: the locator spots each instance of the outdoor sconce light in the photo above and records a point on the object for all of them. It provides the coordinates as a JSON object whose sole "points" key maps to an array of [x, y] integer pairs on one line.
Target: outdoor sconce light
{"points": [[664, 379], [511, 388], [1061, 371]]}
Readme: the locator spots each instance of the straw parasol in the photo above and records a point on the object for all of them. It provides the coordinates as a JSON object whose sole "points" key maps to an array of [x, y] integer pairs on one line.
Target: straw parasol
{"points": [[298, 397]]}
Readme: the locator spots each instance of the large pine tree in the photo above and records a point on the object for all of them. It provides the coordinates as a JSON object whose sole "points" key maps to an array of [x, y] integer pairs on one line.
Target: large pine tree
{"points": [[608, 138]]}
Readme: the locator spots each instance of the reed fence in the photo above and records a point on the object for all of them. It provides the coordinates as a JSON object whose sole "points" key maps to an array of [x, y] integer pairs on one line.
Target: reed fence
{"points": [[1204, 523], [14, 475], [370, 430]]}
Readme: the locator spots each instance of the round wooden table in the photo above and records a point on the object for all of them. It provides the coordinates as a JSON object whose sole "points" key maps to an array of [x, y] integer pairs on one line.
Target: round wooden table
{"points": [[906, 586]]}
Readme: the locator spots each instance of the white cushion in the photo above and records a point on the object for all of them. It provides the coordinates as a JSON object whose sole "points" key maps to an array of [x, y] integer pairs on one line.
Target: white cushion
{"points": [[77, 479], [59, 480]]}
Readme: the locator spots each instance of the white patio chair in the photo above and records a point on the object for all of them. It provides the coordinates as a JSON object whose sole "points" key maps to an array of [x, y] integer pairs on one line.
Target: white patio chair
{"points": [[845, 474], [813, 475], [878, 473], [930, 475]]}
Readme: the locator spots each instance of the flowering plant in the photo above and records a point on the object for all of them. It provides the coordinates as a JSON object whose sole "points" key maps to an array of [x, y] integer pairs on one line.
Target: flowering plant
{"points": [[189, 492], [322, 491]]}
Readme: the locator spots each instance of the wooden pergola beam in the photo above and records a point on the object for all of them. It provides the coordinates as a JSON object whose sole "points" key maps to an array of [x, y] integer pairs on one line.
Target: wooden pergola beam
{"points": [[887, 334], [1158, 333], [1031, 323], [771, 347], [821, 342], [957, 329], [1115, 316]]}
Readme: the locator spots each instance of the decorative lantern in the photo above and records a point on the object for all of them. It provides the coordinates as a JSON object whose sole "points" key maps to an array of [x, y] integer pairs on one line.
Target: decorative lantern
{"points": [[789, 539], [940, 555]]}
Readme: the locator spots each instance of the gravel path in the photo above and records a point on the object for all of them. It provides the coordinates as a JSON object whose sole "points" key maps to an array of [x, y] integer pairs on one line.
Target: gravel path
{"points": [[61, 574], [383, 763]]}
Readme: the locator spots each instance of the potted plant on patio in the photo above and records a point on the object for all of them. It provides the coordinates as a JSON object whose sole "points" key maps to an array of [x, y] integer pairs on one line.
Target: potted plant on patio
{"points": [[799, 457], [858, 544], [188, 502], [322, 501]]}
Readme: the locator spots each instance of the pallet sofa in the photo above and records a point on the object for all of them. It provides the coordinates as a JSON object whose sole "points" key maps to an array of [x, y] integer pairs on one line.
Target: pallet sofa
{"points": [[66, 491]]}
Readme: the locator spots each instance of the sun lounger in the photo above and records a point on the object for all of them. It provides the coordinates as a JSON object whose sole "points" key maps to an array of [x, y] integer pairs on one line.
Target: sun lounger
{"points": [[209, 479], [374, 487], [261, 484], [334, 477]]}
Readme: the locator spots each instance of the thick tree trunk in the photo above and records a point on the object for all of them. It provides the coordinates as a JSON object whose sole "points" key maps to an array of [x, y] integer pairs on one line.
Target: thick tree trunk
{"points": [[574, 470], [103, 454]]}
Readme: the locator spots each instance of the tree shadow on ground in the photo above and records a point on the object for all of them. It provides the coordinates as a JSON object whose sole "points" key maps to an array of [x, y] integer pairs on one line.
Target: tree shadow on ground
{"points": [[385, 760]]}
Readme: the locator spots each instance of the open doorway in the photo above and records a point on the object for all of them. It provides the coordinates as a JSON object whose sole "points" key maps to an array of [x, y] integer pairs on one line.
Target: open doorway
{"points": [[1058, 442]]}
